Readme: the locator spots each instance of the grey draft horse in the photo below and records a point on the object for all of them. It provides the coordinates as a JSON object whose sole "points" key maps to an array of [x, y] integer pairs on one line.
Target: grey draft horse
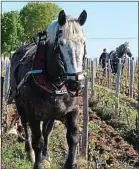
{"points": [[121, 52], [52, 93]]}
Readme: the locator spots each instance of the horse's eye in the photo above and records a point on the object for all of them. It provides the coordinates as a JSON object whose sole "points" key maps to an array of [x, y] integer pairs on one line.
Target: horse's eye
{"points": [[61, 43], [60, 33]]}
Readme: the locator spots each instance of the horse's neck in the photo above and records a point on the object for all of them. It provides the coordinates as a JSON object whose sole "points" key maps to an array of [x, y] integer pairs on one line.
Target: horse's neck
{"points": [[52, 65], [49, 48], [112, 54], [121, 53]]}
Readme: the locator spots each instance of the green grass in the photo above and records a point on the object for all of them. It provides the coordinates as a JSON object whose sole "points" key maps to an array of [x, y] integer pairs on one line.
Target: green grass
{"points": [[125, 120], [108, 101], [14, 156], [13, 153]]}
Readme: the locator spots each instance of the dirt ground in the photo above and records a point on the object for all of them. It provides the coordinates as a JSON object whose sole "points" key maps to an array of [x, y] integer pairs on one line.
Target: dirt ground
{"points": [[106, 141]]}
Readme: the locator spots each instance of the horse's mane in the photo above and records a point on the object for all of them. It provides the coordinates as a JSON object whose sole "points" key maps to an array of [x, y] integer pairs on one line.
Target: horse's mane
{"points": [[71, 30], [126, 44]]}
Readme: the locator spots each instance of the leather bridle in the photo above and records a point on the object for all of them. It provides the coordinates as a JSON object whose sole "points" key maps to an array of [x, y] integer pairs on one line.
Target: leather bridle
{"points": [[57, 48], [60, 60]]}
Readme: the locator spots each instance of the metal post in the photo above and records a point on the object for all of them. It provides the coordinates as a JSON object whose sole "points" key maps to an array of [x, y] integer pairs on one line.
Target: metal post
{"points": [[118, 78], [92, 78], [131, 86], [109, 70], [85, 121]]}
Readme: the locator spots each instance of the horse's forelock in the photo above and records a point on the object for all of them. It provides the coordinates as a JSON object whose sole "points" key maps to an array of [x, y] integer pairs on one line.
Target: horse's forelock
{"points": [[71, 30]]}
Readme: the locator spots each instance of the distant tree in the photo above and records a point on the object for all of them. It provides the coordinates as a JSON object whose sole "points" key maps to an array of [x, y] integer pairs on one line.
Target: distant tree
{"points": [[36, 16], [11, 31]]}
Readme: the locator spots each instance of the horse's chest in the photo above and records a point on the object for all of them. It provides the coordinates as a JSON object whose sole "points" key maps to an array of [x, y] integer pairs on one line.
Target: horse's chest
{"points": [[52, 109]]}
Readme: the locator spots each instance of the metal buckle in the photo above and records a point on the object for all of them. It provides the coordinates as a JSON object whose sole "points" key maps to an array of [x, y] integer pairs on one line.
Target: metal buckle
{"points": [[61, 92]]}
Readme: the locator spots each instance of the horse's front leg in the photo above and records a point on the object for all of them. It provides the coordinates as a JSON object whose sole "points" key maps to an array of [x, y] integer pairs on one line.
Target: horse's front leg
{"points": [[24, 121], [37, 142], [28, 146], [112, 67], [46, 130], [72, 139]]}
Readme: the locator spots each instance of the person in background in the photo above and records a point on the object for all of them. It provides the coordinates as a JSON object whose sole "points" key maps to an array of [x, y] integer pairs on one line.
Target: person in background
{"points": [[103, 58]]}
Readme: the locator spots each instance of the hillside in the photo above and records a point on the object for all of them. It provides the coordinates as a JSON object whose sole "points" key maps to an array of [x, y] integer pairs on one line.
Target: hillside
{"points": [[113, 135]]}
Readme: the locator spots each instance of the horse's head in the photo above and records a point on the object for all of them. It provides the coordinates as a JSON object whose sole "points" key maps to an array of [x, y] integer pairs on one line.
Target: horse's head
{"points": [[124, 50], [121, 52], [68, 45]]}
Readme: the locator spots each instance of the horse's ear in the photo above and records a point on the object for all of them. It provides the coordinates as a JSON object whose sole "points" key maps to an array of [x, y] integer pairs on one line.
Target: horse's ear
{"points": [[82, 18], [62, 18]]}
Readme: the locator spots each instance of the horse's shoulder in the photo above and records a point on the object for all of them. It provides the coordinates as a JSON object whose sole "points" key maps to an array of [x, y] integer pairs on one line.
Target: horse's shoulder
{"points": [[22, 50], [111, 53]]}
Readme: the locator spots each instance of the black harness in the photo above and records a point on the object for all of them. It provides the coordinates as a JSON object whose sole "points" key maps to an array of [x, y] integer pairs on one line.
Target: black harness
{"points": [[40, 39]]}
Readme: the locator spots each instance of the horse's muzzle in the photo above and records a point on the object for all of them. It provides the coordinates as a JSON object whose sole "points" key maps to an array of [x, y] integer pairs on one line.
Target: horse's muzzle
{"points": [[74, 85]]}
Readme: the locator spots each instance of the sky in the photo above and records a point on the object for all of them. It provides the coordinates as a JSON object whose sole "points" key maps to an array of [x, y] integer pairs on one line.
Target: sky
{"points": [[108, 25]]}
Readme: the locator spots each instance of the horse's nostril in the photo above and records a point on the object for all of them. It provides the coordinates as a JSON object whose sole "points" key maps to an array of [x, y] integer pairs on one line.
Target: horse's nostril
{"points": [[75, 85]]}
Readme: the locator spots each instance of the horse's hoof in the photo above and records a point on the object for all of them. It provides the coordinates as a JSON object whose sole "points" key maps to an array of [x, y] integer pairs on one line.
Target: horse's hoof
{"points": [[31, 156], [46, 157], [36, 166], [70, 167], [45, 164]]}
